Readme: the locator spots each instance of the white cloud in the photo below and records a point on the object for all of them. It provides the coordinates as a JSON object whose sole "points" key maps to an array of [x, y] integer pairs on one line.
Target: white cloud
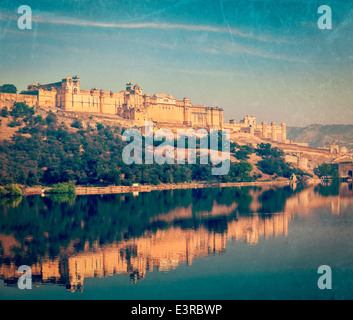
{"points": [[231, 49], [152, 25]]}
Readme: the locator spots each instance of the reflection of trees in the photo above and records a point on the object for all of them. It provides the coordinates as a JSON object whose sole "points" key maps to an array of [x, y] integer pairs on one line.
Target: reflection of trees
{"points": [[10, 201], [331, 189], [243, 199], [62, 198], [274, 200], [45, 227]]}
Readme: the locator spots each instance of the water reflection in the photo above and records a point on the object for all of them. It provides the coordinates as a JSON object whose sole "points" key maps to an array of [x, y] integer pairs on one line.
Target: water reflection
{"points": [[67, 239]]}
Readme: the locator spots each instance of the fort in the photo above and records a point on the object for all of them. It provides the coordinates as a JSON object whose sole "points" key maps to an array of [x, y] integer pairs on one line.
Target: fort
{"points": [[129, 104], [131, 108], [134, 105], [263, 131]]}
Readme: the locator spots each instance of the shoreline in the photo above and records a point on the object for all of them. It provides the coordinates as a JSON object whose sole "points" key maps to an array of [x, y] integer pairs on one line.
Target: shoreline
{"points": [[148, 188]]}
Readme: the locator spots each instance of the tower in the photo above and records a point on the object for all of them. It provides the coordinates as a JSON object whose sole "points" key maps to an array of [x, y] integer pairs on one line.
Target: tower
{"points": [[283, 132], [128, 86], [264, 130], [67, 90], [187, 115], [273, 131], [101, 101]]}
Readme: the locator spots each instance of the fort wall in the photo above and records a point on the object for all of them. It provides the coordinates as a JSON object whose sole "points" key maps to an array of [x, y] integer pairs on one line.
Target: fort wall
{"points": [[8, 99], [263, 131], [130, 103]]}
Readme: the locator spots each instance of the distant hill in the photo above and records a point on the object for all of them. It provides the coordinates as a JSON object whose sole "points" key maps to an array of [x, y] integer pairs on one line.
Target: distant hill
{"points": [[318, 135]]}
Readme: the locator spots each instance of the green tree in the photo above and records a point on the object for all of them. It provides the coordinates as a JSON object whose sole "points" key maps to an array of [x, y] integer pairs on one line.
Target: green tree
{"points": [[326, 169], [4, 112], [21, 110], [100, 126], [32, 178], [13, 190], [8, 88], [3, 192], [63, 188], [77, 124], [13, 124], [266, 150], [39, 120], [51, 118]]}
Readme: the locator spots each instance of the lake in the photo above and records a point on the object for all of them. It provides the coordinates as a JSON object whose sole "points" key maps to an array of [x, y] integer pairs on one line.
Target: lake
{"points": [[217, 243]]}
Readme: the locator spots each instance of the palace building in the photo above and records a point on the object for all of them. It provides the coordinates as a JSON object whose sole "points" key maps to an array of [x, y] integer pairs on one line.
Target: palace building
{"points": [[134, 105], [263, 131], [131, 103]]}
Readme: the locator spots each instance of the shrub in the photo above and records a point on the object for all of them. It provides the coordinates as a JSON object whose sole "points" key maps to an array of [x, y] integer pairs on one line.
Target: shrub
{"points": [[13, 124], [51, 118], [4, 112], [2, 191], [77, 124], [276, 166], [8, 88], [66, 187], [266, 150], [326, 169], [20, 110], [39, 120], [10, 190]]}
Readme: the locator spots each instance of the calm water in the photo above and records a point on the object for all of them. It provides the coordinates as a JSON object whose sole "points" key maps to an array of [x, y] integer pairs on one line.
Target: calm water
{"points": [[230, 243]]}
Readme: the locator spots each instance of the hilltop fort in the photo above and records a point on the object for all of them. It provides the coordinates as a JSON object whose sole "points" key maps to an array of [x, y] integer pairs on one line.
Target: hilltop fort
{"points": [[131, 108], [137, 107]]}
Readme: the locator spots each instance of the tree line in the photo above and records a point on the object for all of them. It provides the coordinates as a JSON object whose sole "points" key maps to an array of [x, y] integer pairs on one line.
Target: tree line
{"points": [[45, 151]]}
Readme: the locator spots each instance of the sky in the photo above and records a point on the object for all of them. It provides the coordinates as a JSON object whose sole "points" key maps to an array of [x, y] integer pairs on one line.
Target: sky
{"points": [[264, 58]]}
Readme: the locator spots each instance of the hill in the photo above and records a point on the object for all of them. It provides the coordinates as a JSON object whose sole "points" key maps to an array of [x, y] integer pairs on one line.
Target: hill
{"points": [[322, 136], [43, 150]]}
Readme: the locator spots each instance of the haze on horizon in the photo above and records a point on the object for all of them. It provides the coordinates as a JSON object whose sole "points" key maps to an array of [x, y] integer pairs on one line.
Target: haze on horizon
{"points": [[264, 58]]}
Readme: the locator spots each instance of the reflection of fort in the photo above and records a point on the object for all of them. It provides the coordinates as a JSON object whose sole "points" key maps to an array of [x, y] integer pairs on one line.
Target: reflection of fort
{"points": [[168, 247], [163, 251], [309, 199]]}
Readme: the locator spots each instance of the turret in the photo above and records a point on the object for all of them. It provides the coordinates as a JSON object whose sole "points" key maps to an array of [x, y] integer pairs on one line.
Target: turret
{"points": [[264, 130], [187, 117], [273, 131], [101, 100], [128, 86], [283, 132]]}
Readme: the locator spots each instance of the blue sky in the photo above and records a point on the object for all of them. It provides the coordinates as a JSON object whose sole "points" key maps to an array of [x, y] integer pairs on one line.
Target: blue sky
{"points": [[266, 58]]}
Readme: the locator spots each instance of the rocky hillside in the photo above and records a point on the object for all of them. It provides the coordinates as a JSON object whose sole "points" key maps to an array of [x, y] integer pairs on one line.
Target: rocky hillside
{"points": [[318, 135]]}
